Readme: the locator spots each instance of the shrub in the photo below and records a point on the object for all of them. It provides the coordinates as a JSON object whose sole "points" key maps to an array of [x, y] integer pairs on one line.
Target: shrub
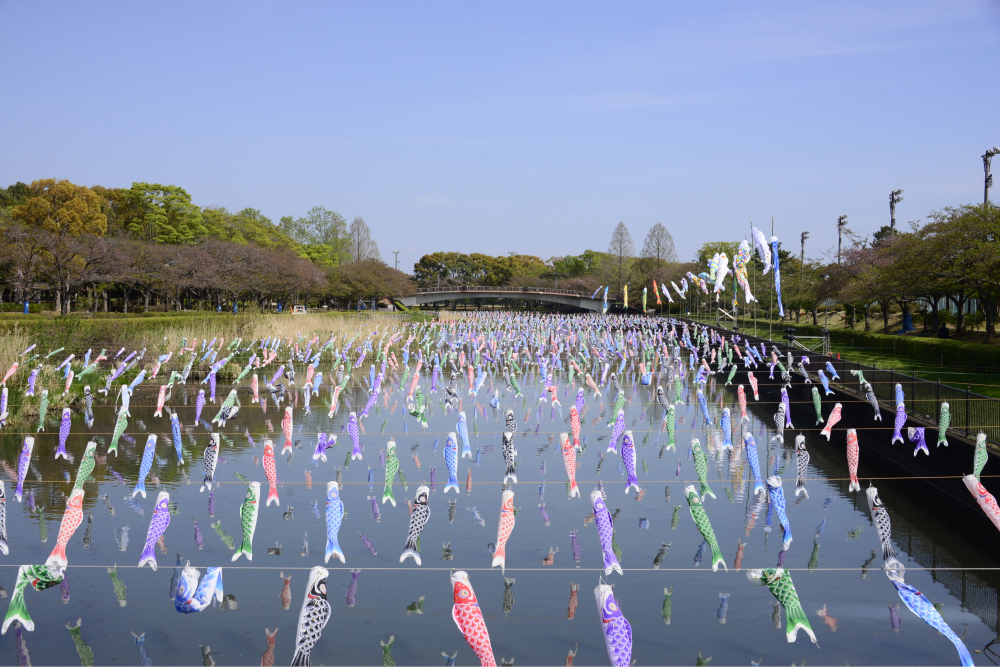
{"points": [[9, 307]]}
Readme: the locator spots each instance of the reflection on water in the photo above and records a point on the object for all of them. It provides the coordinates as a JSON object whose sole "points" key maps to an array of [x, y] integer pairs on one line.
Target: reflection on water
{"points": [[385, 610]]}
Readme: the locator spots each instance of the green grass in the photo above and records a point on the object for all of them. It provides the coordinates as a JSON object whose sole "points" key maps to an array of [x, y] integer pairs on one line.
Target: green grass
{"points": [[981, 382]]}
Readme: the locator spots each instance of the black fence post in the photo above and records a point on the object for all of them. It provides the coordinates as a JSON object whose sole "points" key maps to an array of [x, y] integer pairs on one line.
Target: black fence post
{"points": [[939, 401], [968, 410]]}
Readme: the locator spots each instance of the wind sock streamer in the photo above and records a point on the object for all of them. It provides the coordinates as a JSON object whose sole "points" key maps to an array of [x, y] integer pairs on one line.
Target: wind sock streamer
{"points": [[313, 616], [191, 596], [777, 275], [831, 421], [776, 498], [985, 499], [175, 435], [271, 472], [468, 618], [605, 531], [334, 517], [880, 517], [852, 459], [568, 449], [354, 432], [64, 426], [391, 467], [616, 629], [779, 582], [72, 518], [419, 516], [248, 520], [918, 603], [157, 526], [23, 461], [504, 529], [451, 460], [704, 526]]}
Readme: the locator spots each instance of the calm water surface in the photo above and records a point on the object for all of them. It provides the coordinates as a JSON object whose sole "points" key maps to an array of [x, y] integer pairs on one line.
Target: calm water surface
{"points": [[527, 619]]}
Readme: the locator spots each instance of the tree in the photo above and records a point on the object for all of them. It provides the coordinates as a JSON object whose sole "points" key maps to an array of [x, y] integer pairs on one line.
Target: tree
{"points": [[22, 251], [319, 226], [709, 250], [621, 253], [965, 239], [123, 207], [884, 234], [361, 245], [247, 226], [62, 212], [13, 195], [369, 279], [861, 278], [62, 208], [437, 267], [659, 246], [166, 215]]}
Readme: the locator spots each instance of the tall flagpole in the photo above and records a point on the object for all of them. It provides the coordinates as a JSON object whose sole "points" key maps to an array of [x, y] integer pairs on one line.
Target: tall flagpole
{"points": [[754, 289], [770, 310]]}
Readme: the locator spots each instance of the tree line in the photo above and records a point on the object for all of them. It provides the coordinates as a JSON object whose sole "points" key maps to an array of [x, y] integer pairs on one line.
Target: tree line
{"points": [[937, 266], [150, 242], [614, 268], [940, 264], [952, 257]]}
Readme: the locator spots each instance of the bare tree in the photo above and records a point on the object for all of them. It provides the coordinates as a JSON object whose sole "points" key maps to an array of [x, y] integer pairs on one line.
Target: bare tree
{"points": [[23, 249], [659, 246], [621, 253], [362, 245]]}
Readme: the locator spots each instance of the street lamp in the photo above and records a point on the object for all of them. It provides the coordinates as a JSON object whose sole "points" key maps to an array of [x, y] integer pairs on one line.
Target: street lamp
{"points": [[802, 267], [841, 223], [987, 156], [895, 197]]}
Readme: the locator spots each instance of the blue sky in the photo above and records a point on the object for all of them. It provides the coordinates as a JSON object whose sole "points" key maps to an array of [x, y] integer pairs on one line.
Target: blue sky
{"points": [[528, 127]]}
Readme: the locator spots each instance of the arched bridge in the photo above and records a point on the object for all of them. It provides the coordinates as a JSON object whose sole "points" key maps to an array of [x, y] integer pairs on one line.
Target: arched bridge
{"points": [[563, 297]]}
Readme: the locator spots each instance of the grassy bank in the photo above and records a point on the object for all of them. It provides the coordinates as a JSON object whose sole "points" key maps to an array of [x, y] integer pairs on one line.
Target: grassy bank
{"points": [[927, 349], [97, 330], [954, 362], [157, 334]]}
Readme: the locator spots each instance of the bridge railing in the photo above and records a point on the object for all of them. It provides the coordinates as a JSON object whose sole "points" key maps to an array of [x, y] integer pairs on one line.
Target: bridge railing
{"points": [[473, 289]]}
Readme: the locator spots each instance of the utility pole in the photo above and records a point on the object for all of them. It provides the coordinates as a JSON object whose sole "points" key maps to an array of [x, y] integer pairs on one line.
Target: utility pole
{"points": [[841, 223], [396, 253], [987, 157], [895, 197]]}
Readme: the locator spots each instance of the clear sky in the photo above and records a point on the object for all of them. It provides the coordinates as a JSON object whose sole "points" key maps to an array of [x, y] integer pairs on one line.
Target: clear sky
{"points": [[528, 127]]}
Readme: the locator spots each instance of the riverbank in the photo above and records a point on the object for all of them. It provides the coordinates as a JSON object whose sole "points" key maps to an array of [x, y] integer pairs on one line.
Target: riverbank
{"points": [[157, 335], [957, 363], [50, 331]]}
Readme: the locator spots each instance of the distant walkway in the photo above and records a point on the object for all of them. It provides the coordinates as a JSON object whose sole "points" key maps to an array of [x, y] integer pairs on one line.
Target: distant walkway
{"points": [[572, 298]]}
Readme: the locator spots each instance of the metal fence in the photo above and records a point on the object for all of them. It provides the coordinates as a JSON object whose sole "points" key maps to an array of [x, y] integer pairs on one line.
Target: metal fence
{"points": [[977, 595], [971, 413], [472, 289]]}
